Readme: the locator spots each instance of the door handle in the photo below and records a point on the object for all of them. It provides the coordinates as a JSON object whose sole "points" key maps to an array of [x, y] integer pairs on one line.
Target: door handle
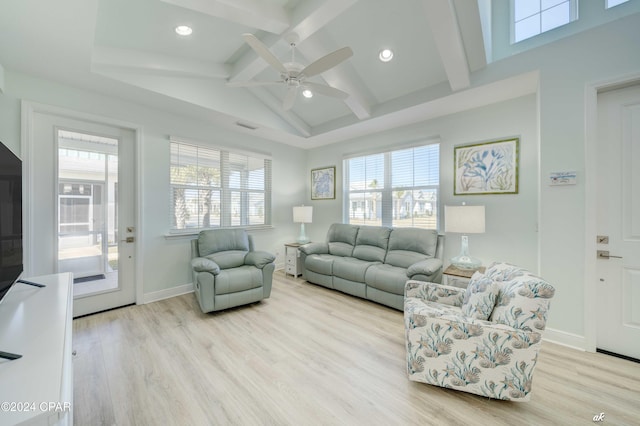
{"points": [[604, 254], [129, 240]]}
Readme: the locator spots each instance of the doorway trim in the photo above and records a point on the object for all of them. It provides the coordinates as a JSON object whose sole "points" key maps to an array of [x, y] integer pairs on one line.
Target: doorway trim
{"points": [[29, 109], [591, 225]]}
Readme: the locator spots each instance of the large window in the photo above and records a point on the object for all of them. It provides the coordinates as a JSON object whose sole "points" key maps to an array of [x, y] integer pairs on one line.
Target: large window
{"points": [[396, 188], [214, 188], [533, 17]]}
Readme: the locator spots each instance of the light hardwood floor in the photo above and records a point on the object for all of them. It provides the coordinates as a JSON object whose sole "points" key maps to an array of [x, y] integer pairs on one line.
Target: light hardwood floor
{"points": [[308, 356]]}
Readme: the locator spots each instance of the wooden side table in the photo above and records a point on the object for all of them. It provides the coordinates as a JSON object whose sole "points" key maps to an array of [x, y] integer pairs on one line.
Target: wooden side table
{"points": [[458, 277], [292, 264]]}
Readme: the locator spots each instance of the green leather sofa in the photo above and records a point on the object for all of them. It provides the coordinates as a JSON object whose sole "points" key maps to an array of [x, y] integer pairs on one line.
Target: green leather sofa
{"points": [[227, 271], [373, 262]]}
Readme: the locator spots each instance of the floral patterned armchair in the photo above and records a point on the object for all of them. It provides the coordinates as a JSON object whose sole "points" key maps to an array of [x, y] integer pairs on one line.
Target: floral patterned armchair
{"points": [[484, 339]]}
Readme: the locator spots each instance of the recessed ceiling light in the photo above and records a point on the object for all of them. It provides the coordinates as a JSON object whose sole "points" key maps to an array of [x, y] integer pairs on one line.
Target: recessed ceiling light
{"points": [[307, 93], [183, 30], [385, 55]]}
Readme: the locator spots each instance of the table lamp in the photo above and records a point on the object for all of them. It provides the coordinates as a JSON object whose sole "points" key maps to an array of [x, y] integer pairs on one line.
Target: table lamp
{"points": [[302, 214], [464, 220]]}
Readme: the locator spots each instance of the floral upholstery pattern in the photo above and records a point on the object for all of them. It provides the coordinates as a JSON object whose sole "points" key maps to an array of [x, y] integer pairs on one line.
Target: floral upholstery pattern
{"points": [[495, 358], [480, 297]]}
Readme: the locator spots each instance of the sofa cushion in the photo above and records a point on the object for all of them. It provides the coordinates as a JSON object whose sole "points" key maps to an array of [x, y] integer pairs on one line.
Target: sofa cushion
{"points": [[320, 263], [372, 243], [387, 278], [352, 269], [480, 297], [523, 303], [411, 245], [341, 238]]}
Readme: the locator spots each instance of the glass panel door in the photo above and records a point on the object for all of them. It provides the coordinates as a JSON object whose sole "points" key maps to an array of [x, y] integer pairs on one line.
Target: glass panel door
{"points": [[88, 211]]}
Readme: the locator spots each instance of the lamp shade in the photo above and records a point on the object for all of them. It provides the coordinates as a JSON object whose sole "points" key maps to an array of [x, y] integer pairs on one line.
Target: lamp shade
{"points": [[302, 214], [464, 219]]}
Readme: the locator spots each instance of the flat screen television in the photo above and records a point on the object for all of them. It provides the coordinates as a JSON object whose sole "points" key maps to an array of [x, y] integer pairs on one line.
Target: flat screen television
{"points": [[10, 219]]}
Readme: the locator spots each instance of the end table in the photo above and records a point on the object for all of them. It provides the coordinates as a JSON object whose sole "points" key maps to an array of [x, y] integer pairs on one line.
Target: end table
{"points": [[457, 277]]}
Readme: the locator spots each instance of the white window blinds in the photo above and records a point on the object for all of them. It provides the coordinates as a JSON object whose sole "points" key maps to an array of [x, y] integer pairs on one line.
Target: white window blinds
{"points": [[395, 188], [213, 188]]}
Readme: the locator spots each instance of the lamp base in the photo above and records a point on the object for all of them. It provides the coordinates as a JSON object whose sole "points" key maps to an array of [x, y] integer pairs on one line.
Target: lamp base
{"points": [[466, 262], [302, 238], [463, 260]]}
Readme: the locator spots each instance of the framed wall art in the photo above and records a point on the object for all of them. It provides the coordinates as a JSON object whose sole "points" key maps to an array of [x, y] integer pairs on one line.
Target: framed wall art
{"points": [[486, 168], [323, 183]]}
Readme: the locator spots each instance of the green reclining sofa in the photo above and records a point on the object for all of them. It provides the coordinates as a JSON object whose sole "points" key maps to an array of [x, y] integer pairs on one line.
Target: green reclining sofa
{"points": [[373, 262]]}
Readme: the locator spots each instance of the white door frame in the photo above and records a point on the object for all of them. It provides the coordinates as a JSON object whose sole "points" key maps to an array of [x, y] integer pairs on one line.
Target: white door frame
{"points": [[591, 175], [28, 149]]}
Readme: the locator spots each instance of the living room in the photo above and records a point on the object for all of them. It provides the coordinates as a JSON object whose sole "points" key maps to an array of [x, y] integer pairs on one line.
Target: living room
{"points": [[547, 96]]}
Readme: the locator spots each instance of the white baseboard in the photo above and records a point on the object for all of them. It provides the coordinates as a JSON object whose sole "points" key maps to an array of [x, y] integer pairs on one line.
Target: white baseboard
{"points": [[563, 338], [167, 293]]}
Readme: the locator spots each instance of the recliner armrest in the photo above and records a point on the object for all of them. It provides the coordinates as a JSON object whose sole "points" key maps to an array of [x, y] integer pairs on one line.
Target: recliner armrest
{"points": [[201, 264], [425, 267], [315, 248], [434, 292], [259, 259]]}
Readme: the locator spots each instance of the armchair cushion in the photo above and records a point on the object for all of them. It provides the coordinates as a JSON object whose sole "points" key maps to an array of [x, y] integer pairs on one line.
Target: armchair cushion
{"points": [[228, 259], [259, 259], [434, 292], [480, 297], [210, 242], [523, 303], [202, 264]]}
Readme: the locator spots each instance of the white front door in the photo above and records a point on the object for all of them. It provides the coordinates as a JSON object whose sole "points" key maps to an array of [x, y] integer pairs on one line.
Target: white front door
{"points": [[82, 209], [618, 221]]}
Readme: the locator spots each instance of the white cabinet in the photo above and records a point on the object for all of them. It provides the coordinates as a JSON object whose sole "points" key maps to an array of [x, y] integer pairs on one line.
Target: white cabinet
{"points": [[37, 389], [292, 265]]}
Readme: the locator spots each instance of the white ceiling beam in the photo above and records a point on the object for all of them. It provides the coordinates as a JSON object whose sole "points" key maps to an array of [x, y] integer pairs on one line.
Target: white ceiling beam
{"points": [[141, 61], [251, 13], [308, 18], [442, 21], [470, 25], [275, 105]]}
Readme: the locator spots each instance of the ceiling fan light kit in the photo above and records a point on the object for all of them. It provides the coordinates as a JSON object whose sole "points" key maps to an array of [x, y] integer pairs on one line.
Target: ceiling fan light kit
{"points": [[294, 75]]}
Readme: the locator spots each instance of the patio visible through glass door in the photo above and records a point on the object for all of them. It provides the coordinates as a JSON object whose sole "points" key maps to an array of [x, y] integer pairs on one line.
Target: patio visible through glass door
{"points": [[88, 211]]}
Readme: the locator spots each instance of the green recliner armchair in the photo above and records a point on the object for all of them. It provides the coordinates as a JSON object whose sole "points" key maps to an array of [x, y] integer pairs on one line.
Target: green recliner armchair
{"points": [[227, 271]]}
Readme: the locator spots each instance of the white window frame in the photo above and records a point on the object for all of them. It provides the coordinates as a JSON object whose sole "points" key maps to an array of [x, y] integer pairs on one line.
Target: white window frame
{"points": [[573, 16], [386, 207], [225, 189]]}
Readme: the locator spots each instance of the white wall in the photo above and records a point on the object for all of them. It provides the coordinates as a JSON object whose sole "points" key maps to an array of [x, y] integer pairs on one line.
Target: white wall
{"points": [[511, 219], [165, 262], [567, 69]]}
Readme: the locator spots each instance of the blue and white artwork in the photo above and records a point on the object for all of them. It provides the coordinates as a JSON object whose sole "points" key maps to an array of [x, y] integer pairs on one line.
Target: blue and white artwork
{"points": [[323, 184], [487, 168]]}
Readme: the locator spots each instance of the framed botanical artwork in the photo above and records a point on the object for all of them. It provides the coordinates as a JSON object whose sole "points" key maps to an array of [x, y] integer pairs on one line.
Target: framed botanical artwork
{"points": [[323, 183], [486, 168]]}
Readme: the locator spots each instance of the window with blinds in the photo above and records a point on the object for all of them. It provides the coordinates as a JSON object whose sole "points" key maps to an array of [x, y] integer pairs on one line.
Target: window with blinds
{"points": [[215, 188], [396, 188]]}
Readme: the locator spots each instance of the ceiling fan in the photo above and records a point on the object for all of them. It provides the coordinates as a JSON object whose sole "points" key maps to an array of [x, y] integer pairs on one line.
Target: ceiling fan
{"points": [[294, 75]]}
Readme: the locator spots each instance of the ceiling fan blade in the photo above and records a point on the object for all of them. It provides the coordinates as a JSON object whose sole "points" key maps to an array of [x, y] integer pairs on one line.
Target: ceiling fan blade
{"points": [[252, 83], [290, 98], [264, 52], [321, 89], [327, 62]]}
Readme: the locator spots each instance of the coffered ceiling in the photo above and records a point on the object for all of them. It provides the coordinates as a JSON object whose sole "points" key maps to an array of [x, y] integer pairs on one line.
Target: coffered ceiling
{"points": [[128, 48]]}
